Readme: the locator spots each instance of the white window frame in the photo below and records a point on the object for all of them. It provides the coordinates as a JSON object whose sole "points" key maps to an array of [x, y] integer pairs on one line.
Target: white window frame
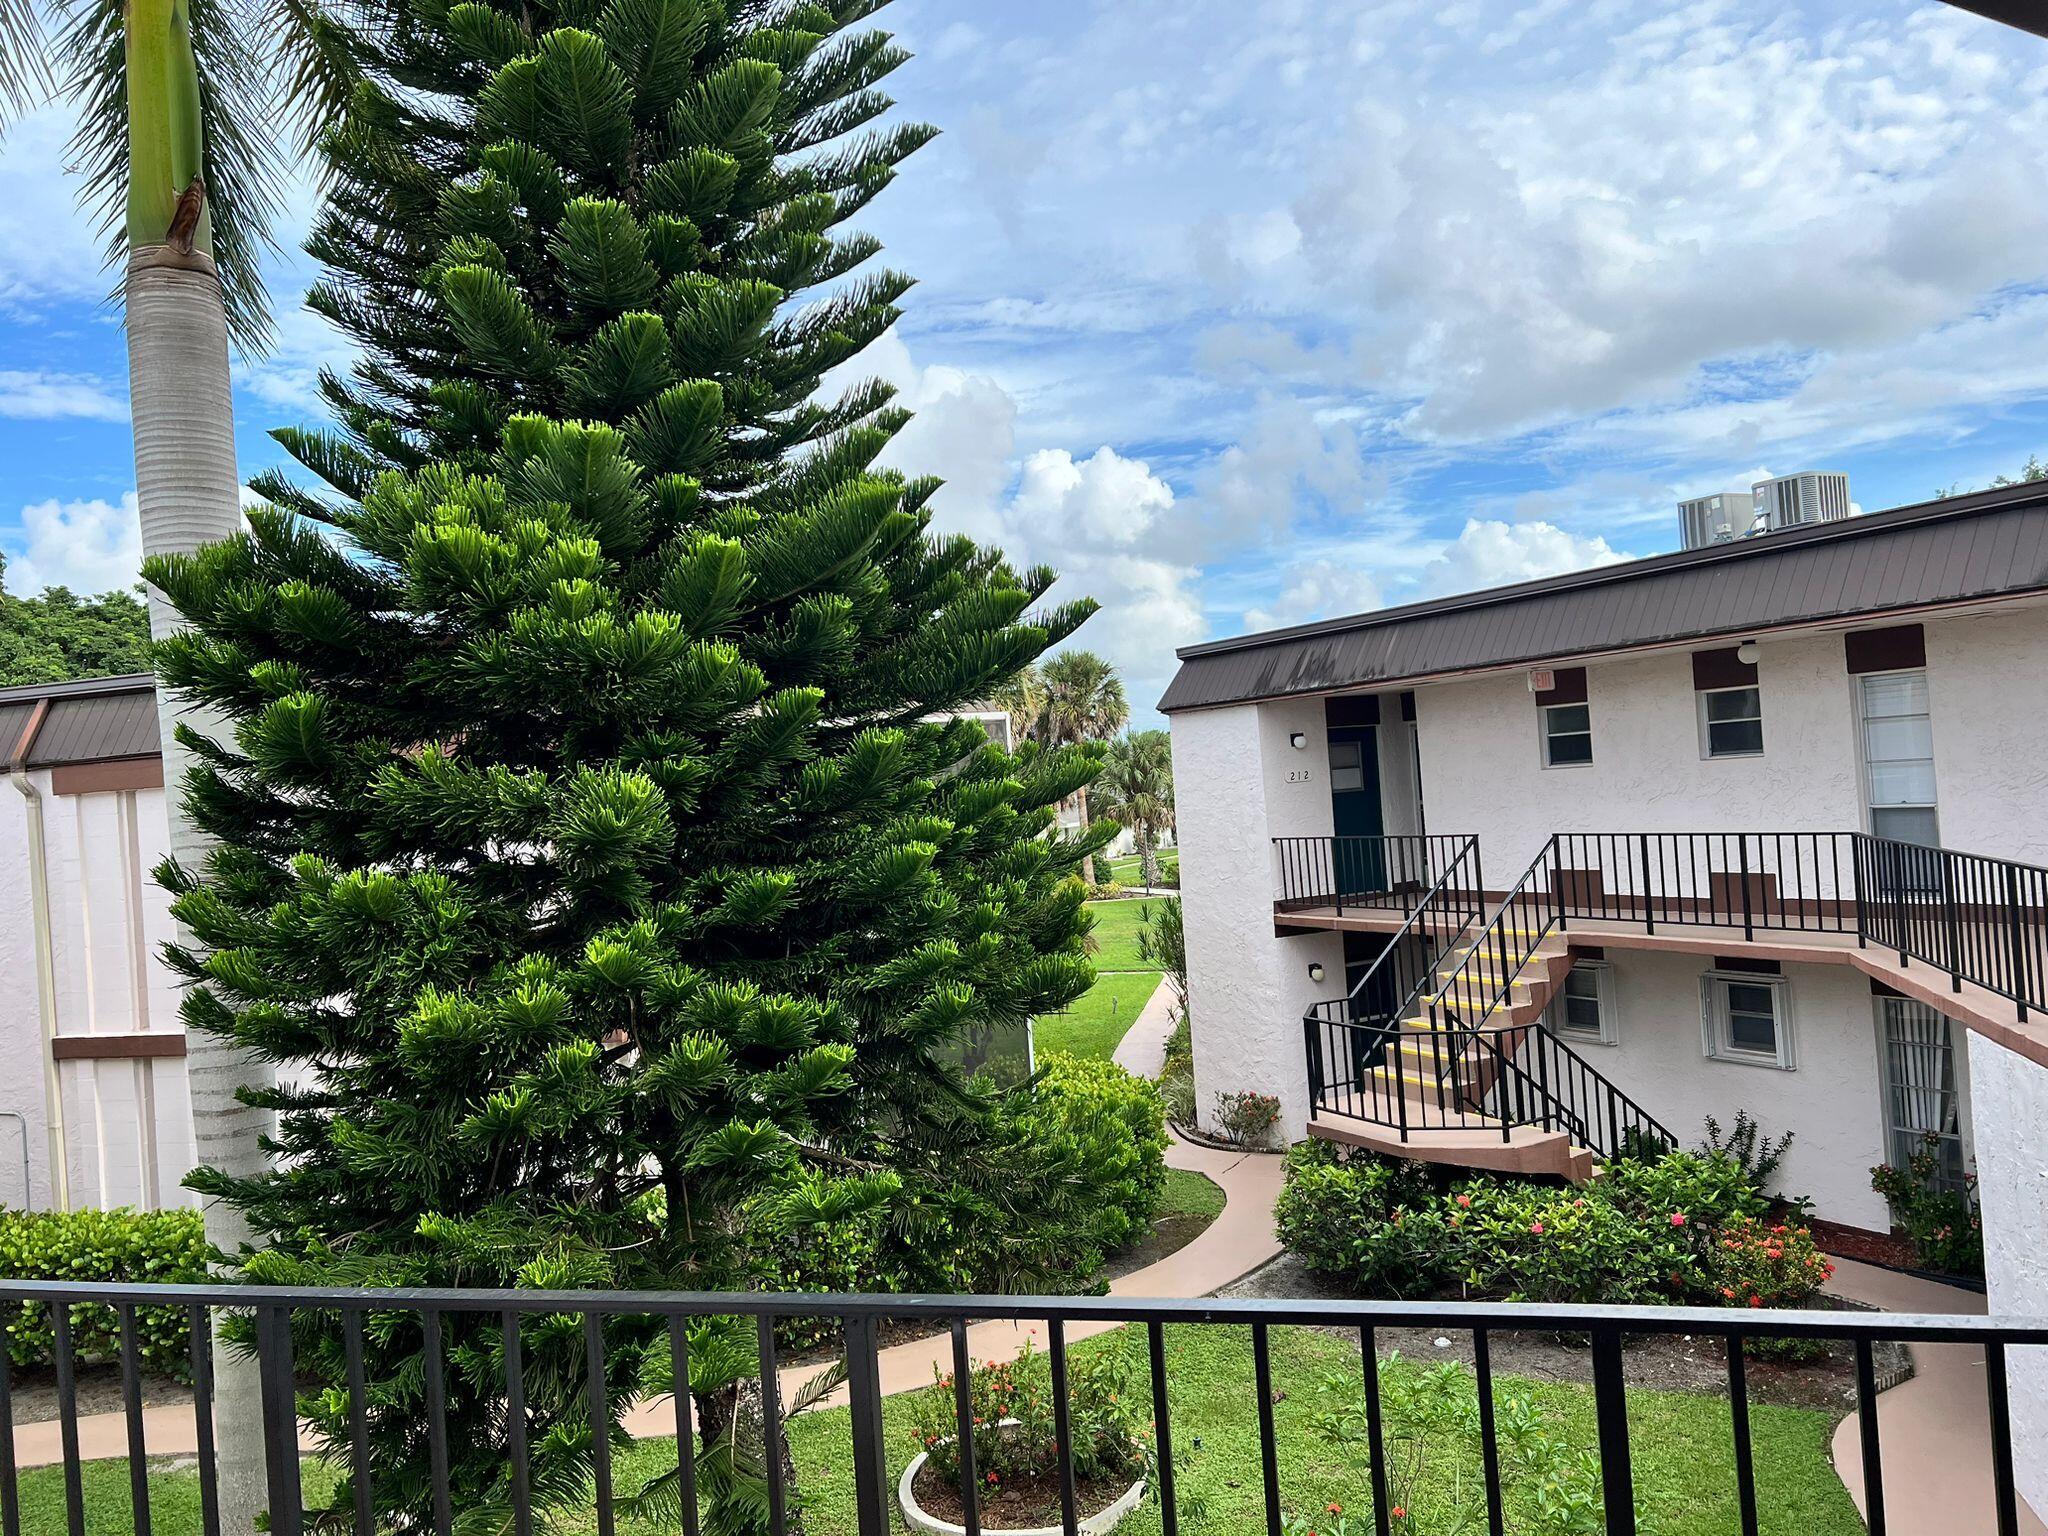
{"points": [[1714, 1033], [1865, 785], [1602, 974], [1706, 734], [1543, 734], [1902, 1142]]}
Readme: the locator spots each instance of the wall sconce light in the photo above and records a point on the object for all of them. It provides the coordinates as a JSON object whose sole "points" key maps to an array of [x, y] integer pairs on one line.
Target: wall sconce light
{"points": [[1298, 741], [1315, 970], [1747, 653]]}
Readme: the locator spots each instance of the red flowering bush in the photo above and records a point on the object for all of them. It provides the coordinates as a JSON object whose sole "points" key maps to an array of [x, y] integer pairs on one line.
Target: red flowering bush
{"points": [[1754, 1263], [1013, 1418]]}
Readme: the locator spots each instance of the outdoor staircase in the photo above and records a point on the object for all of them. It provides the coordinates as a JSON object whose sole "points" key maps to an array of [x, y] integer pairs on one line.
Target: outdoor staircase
{"points": [[1463, 1071]]}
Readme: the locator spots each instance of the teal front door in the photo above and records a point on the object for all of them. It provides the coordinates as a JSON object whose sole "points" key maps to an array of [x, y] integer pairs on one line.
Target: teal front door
{"points": [[1360, 860]]}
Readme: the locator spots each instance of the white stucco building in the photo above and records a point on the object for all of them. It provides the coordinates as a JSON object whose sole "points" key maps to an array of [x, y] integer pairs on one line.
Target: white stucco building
{"points": [[1759, 826], [93, 1104]]}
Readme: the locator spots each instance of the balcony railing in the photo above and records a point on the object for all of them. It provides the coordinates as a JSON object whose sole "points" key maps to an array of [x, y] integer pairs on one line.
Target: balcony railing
{"points": [[490, 1326], [1353, 873], [1980, 920]]}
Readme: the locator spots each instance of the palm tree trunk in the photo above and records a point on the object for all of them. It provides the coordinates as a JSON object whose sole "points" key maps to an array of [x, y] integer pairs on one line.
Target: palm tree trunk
{"points": [[186, 487], [1088, 861], [1149, 848]]}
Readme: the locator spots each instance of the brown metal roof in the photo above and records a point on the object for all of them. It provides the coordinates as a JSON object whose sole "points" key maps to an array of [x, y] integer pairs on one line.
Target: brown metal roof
{"points": [[93, 720], [1987, 545]]}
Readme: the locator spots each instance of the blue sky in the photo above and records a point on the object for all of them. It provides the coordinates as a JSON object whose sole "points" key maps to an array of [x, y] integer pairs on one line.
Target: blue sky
{"points": [[1245, 315]]}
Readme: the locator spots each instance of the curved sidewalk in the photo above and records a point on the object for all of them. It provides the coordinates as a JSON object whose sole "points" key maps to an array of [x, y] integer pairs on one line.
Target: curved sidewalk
{"points": [[1934, 1432], [1142, 1051], [1236, 1242]]}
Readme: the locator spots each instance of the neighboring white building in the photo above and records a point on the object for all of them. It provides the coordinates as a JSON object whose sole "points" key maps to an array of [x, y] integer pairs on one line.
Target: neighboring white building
{"points": [[1774, 813], [93, 1105]]}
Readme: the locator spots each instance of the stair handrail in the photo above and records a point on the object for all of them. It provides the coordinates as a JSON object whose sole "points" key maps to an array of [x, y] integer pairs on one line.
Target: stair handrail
{"points": [[1495, 927], [1603, 1085], [1409, 927]]}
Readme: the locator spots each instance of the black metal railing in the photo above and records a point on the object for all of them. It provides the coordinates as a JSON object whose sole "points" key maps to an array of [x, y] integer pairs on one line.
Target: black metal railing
{"points": [[1438, 1034], [1981, 920], [1389, 873], [282, 1316]]}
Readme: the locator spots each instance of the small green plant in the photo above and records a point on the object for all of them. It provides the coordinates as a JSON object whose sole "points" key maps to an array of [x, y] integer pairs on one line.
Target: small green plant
{"points": [[1162, 941], [1756, 1154], [1248, 1118], [1177, 1074], [1012, 1409], [1942, 1222]]}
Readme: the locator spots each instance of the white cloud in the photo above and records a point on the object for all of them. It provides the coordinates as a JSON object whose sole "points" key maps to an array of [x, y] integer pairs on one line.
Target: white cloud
{"points": [[1320, 589], [1489, 553], [27, 395], [48, 247], [1102, 502], [89, 546]]}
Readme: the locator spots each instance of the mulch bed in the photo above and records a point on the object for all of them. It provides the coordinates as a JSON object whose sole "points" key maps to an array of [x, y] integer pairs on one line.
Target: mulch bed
{"points": [[1660, 1362], [1028, 1502], [99, 1391], [1861, 1244]]}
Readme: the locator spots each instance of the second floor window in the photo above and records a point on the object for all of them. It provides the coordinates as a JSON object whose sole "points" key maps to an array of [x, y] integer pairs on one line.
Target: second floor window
{"points": [[1732, 722], [1567, 735]]}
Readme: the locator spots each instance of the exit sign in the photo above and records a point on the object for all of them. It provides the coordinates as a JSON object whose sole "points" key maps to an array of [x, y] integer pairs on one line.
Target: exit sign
{"points": [[1542, 680]]}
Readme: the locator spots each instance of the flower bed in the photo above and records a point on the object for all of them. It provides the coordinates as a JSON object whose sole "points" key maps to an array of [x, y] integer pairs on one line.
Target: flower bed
{"points": [[1684, 1227]]}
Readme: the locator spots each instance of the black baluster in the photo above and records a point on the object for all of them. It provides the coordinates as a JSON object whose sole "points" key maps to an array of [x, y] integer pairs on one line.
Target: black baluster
{"points": [[1162, 1427]]}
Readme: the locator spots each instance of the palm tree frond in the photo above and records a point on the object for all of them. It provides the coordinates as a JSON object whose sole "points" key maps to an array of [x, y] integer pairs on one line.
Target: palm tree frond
{"points": [[24, 59]]}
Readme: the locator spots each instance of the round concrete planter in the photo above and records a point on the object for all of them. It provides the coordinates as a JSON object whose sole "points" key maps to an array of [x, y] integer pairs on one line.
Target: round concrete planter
{"points": [[931, 1525]]}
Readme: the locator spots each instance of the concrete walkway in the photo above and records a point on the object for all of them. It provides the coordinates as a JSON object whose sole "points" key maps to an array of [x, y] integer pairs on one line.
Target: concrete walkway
{"points": [[1235, 1243], [1142, 1051], [1934, 1432]]}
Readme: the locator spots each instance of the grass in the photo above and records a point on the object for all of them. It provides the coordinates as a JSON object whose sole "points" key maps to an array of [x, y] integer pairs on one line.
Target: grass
{"points": [[1096, 1020], [1682, 1454], [1191, 1194], [1130, 869], [1116, 935]]}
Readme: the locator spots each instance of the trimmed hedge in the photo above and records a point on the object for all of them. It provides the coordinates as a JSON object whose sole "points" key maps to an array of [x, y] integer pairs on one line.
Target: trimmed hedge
{"points": [[1117, 1122], [142, 1247]]}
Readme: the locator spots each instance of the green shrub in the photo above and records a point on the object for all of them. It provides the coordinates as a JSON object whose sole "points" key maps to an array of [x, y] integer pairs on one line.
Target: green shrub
{"points": [[1177, 1074], [1538, 1242], [1247, 1118], [1944, 1225], [1708, 1188], [1117, 1125], [140, 1247], [1752, 1263], [1368, 1220]]}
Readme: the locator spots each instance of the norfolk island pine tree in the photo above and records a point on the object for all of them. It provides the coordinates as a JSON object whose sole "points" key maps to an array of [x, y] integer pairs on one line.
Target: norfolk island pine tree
{"points": [[582, 849]]}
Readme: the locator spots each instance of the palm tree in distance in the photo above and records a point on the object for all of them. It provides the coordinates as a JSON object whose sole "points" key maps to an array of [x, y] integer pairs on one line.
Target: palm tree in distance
{"points": [[1083, 700], [1137, 790], [185, 110]]}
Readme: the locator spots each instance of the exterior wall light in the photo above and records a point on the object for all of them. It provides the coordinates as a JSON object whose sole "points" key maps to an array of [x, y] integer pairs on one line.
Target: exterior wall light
{"points": [[1747, 653], [1298, 741], [1315, 970]]}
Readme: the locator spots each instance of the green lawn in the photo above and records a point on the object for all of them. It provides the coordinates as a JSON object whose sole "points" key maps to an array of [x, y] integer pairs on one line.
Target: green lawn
{"points": [[1097, 1019], [1116, 935], [1191, 1194], [1130, 869], [1683, 1456]]}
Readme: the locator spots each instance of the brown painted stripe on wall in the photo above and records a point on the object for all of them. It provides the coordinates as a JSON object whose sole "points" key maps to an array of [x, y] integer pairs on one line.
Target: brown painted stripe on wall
{"points": [[1721, 669]]}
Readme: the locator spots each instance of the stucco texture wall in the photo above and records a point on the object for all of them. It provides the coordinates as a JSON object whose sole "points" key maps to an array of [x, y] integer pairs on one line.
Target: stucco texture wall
{"points": [[1988, 697], [2009, 1106], [1483, 773], [1830, 1100], [1235, 790]]}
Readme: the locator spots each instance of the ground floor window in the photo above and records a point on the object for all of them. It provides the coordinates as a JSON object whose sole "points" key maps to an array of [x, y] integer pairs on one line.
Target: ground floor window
{"points": [[1584, 1005], [1747, 1017], [1916, 1047]]}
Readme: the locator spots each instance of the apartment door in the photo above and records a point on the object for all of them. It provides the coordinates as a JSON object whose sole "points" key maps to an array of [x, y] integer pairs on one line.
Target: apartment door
{"points": [[1355, 809], [1922, 1110]]}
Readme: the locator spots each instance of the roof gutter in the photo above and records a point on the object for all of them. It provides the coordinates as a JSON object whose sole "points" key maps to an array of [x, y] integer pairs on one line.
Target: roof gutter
{"points": [[46, 959]]}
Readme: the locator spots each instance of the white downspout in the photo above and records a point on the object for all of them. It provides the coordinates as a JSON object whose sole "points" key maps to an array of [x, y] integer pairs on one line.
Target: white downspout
{"points": [[46, 985]]}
